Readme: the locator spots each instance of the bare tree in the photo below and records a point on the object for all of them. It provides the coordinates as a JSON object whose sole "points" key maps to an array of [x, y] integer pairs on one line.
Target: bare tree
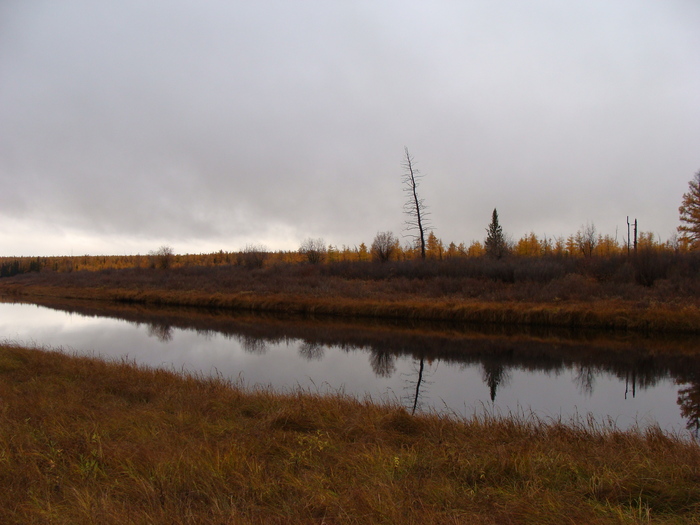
{"points": [[383, 246], [253, 256], [587, 239], [314, 250], [162, 258], [415, 208]]}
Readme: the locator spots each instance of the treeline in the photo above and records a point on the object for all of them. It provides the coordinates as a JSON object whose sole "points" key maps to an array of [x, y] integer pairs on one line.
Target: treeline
{"points": [[15, 266], [585, 244]]}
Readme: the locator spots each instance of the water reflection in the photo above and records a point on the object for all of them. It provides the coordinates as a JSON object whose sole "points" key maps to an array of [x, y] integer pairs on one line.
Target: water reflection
{"points": [[162, 332], [500, 357], [689, 402], [383, 363], [494, 374]]}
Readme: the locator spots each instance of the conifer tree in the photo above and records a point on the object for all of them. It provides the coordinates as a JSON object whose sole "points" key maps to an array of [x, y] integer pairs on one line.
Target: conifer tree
{"points": [[690, 214], [495, 243]]}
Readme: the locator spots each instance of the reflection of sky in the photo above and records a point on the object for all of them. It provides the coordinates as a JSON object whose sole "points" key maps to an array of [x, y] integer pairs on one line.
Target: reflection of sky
{"points": [[287, 366]]}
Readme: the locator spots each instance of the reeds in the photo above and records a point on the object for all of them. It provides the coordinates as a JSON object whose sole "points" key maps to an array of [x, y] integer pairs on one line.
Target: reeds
{"points": [[86, 441]]}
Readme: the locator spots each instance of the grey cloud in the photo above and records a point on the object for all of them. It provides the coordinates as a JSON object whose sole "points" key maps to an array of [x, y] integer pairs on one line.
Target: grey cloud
{"points": [[219, 124]]}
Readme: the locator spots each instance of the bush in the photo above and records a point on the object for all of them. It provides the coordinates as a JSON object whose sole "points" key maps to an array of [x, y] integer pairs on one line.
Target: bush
{"points": [[252, 256]]}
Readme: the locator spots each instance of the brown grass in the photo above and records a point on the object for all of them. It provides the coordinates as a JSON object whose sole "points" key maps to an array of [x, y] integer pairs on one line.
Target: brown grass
{"points": [[572, 301], [86, 441]]}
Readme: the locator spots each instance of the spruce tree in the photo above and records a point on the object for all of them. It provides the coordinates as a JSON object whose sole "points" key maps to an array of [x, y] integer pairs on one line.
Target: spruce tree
{"points": [[495, 243]]}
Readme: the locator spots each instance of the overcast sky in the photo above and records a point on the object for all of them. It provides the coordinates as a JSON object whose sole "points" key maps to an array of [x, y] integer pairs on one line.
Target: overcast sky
{"points": [[211, 125]]}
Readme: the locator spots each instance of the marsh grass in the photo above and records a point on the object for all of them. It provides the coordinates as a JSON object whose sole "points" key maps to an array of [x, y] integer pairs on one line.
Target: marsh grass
{"points": [[88, 441]]}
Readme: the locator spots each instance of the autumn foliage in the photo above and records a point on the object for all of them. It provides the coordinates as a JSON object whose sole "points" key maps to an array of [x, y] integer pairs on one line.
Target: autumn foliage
{"points": [[690, 214]]}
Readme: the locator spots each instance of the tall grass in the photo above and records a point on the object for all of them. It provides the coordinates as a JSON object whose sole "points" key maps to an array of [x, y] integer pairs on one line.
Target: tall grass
{"points": [[86, 441]]}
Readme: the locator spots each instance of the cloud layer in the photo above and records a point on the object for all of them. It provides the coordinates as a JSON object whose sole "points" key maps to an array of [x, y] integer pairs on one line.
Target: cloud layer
{"points": [[127, 125]]}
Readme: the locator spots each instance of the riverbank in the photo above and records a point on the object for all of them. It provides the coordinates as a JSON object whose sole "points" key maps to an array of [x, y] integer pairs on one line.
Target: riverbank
{"points": [[570, 302], [87, 441]]}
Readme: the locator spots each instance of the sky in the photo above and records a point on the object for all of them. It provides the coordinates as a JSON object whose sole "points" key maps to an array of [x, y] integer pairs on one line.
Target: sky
{"points": [[208, 126]]}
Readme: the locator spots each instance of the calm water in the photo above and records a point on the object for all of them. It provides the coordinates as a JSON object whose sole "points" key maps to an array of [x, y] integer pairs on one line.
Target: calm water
{"points": [[626, 381]]}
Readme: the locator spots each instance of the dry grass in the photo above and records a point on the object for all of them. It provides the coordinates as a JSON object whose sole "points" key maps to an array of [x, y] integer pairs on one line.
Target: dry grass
{"points": [[572, 301], [85, 441]]}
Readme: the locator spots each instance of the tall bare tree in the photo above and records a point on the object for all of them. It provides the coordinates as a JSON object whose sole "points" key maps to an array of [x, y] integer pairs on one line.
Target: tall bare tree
{"points": [[415, 208]]}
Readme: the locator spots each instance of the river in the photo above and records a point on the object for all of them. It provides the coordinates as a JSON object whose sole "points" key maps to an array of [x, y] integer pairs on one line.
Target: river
{"points": [[611, 379]]}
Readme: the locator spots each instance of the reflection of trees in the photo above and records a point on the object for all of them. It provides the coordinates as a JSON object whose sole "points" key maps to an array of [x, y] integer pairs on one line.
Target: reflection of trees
{"points": [[689, 401], [631, 376], [638, 362], [584, 378], [416, 396], [415, 383], [494, 374], [253, 345], [163, 332], [383, 363], [311, 351]]}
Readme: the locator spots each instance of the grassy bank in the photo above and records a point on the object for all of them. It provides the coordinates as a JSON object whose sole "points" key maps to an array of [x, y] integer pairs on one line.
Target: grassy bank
{"points": [[85, 441], [429, 291]]}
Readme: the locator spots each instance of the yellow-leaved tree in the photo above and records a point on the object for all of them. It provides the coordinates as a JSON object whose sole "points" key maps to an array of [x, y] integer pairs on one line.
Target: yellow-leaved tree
{"points": [[690, 214]]}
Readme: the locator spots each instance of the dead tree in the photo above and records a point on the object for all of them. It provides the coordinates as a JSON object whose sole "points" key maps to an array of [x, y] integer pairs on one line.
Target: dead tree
{"points": [[415, 208]]}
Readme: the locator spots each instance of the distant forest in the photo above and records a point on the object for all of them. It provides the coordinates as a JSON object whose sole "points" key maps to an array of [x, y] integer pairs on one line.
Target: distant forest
{"points": [[644, 259]]}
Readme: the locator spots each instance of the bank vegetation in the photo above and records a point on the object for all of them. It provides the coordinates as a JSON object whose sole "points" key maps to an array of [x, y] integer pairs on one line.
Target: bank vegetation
{"points": [[653, 289]]}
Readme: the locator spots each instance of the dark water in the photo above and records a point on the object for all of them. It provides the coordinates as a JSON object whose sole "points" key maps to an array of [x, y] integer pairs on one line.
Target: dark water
{"points": [[621, 380]]}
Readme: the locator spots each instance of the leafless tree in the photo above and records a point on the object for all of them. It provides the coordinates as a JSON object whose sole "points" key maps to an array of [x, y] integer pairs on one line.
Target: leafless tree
{"points": [[314, 250], [587, 239], [383, 246], [253, 256], [162, 258], [415, 208]]}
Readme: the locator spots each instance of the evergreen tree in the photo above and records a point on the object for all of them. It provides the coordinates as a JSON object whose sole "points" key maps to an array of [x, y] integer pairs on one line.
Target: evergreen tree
{"points": [[495, 243], [690, 214]]}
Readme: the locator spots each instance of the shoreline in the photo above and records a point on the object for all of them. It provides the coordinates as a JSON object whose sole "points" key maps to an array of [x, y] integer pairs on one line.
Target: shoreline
{"points": [[601, 314], [84, 440]]}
